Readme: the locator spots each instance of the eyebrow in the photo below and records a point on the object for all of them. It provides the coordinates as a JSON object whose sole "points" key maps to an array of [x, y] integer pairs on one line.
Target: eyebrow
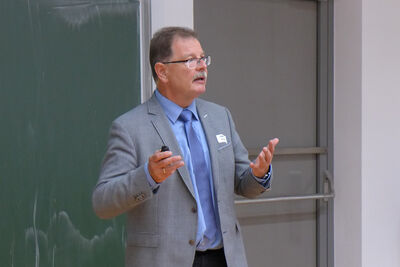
{"points": [[202, 54]]}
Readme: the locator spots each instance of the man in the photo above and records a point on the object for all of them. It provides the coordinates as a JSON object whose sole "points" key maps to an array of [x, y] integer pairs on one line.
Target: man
{"points": [[179, 202]]}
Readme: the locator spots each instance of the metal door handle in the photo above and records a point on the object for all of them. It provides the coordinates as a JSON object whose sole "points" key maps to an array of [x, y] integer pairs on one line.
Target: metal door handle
{"points": [[329, 193], [253, 152]]}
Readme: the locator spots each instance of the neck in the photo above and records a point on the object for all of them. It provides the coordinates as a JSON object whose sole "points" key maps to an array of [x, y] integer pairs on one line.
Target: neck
{"points": [[180, 101]]}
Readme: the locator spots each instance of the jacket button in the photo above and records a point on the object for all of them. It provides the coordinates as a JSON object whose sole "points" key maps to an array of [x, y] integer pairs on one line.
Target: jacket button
{"points": [[191, 242], [194, 210]]}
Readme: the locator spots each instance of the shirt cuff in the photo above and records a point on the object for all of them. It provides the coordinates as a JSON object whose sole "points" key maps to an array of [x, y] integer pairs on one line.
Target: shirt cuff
{"points": [[154, 186], [266, 180]]}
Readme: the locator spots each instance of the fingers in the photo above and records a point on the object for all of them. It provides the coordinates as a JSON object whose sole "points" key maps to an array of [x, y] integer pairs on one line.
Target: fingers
{"points": [[162, 164], [270, 149], [260, 165], [170, 166], [272, 144], [264, 159], [157, 156], [261, 160]]}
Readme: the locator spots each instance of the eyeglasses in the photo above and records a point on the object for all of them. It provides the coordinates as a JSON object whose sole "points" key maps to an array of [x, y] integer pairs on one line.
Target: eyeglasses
{"points": [[193, 62]]}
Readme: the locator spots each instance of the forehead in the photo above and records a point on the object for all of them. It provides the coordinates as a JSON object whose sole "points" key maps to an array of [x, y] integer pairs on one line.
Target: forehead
{"points": [[185, 47]]}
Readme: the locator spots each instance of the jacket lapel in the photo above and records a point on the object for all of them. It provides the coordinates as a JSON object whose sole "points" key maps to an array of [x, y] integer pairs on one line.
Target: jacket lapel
{"points": [[163, 128]]}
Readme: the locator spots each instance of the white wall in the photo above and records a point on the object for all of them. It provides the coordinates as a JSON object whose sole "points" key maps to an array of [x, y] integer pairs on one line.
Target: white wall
{"points": [[367, 78], [381, 132], [171, 13]]}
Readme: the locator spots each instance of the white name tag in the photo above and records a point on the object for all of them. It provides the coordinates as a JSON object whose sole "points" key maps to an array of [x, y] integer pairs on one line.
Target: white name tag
{"points": [[221, 138]]}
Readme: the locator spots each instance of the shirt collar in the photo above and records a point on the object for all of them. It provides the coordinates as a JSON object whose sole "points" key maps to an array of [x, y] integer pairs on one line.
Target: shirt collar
{"points": [[172, 110]]}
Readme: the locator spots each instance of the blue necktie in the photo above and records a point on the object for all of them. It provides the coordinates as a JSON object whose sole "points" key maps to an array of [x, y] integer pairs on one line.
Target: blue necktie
{"points": [[201, 173]]}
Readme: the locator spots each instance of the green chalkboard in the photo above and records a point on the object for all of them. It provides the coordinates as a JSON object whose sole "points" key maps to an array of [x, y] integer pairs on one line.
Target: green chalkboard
{"points": [[67, 69]]}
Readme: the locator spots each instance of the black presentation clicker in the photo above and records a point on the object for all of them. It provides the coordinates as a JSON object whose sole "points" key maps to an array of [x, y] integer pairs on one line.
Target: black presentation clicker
{"points": [[164, 148]]}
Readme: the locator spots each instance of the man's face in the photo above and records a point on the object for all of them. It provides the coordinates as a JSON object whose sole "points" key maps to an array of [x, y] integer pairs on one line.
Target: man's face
{"points": [[184, 84]]}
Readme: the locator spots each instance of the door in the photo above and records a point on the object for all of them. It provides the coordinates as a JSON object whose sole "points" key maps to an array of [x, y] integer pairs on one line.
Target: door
{"points": [[269, 64]]}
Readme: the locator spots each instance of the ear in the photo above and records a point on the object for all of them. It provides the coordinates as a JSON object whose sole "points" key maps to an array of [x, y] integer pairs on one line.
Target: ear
{"points": [[162, 71]]}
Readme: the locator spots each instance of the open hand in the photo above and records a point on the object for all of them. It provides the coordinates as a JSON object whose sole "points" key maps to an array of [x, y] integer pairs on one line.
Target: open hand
{"points": [[261, 165]]}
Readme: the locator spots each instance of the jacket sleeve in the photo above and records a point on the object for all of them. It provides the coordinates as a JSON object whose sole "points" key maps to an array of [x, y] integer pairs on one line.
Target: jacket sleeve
{"points": [[122, 183]]}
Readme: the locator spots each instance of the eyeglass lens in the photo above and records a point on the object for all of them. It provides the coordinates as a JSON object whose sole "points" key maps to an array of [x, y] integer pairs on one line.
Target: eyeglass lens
{"points": [[197, 61]]}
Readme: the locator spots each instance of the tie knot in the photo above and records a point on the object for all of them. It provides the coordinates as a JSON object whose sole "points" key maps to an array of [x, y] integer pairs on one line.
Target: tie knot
{"points": [[186, 115]]}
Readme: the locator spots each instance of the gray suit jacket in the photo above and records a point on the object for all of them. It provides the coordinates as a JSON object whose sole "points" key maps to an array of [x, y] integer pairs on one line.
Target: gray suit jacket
{"points": [[161, 227]]}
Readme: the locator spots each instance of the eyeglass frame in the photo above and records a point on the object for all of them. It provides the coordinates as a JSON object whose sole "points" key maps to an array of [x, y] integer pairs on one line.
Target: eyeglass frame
{"points": [[206, 59]]}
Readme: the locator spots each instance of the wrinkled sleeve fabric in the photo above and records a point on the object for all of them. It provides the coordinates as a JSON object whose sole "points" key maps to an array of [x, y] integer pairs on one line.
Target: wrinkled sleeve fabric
{"points": [[266, 180], [122, 183]]}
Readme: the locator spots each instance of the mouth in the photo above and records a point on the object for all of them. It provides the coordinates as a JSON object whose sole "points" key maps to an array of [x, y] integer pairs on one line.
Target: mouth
{"points": [[200, 77]]}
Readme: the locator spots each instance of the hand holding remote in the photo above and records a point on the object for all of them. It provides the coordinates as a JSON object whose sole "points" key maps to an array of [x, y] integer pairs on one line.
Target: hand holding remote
{"points": [[162, 164]]}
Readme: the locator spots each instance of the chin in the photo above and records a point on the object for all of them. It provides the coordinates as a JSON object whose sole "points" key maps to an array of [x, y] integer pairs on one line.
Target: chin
{"points": [[199, 90]]}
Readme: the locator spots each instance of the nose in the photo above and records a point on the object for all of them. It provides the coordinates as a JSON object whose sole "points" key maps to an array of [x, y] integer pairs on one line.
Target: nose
{"points": [[201, 64]]}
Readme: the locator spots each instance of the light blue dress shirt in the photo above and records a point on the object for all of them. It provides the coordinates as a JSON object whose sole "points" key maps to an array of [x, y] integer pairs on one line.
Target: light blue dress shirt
{"points": [[172, 112]]}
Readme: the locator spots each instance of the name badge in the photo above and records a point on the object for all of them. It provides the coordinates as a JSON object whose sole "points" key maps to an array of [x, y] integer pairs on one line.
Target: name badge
{"points": [[221, 138]]}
